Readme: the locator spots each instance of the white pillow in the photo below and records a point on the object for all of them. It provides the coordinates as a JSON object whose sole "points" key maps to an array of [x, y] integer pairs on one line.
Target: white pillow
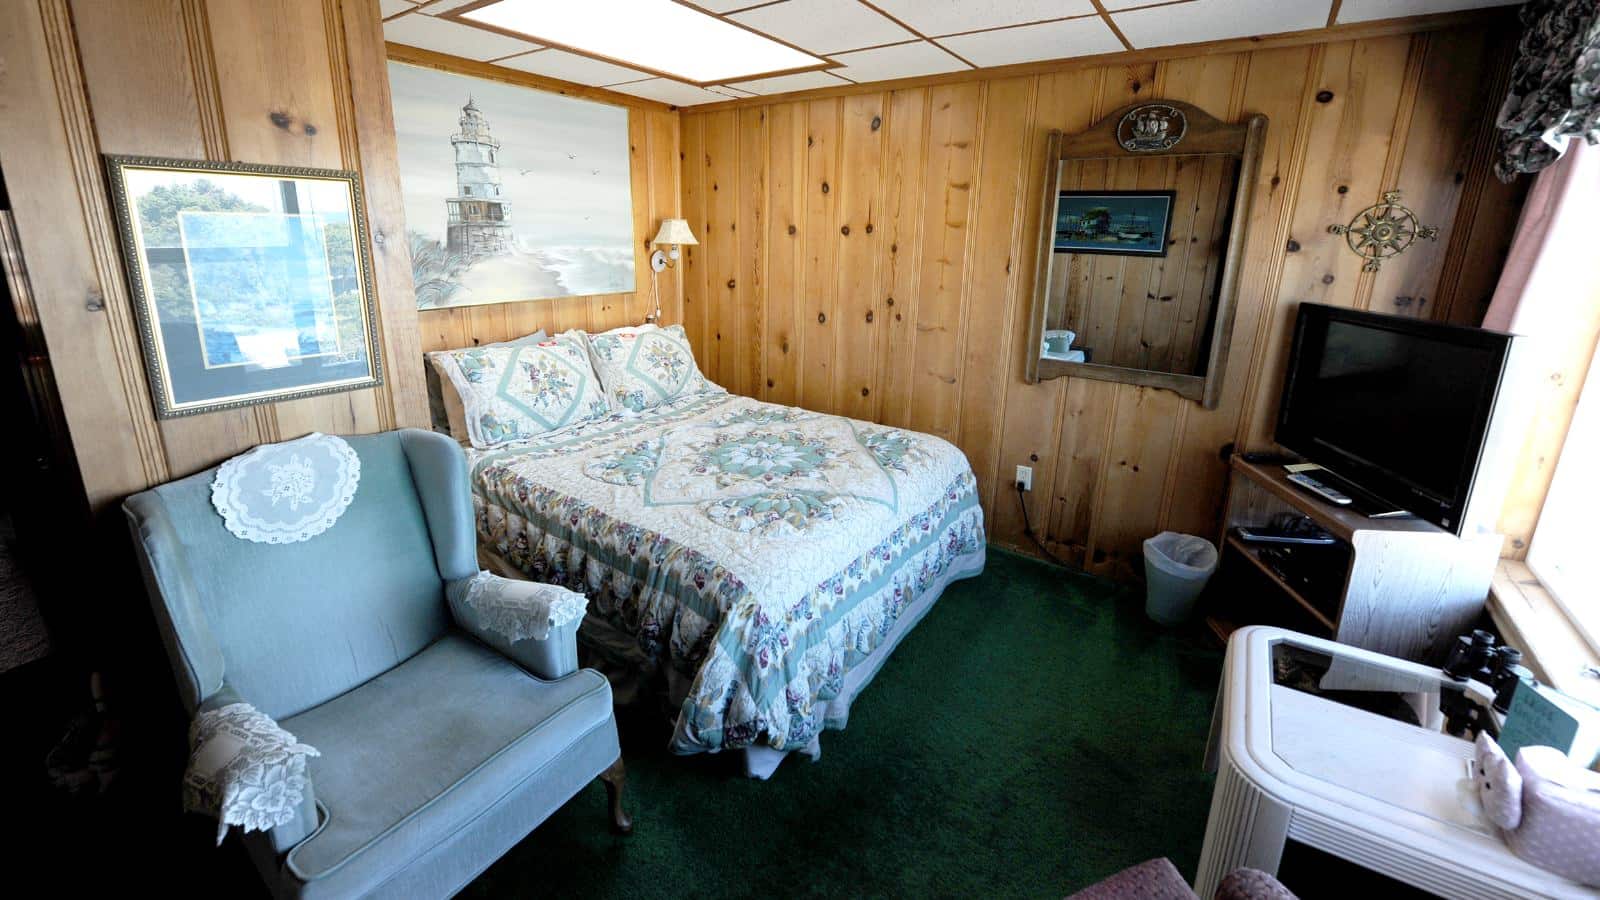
{"points": [[513, 392], [444, 402], [642, 366]]}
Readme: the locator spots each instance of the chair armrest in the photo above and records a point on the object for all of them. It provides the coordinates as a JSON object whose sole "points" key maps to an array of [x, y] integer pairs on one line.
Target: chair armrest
{"points": [[281, 838], [535, 625], [1252, 884]]}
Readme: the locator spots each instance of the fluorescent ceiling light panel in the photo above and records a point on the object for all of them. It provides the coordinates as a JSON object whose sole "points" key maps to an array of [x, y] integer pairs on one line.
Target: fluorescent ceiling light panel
{"points": [[659, 35]]}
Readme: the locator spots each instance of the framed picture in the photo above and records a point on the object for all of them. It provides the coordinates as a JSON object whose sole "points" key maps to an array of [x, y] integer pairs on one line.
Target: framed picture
{"points": [[511, 193], [1127, 223], [251, 283]]}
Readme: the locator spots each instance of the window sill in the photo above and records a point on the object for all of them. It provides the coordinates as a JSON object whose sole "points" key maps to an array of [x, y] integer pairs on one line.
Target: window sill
{"points": [[1529, 619]]}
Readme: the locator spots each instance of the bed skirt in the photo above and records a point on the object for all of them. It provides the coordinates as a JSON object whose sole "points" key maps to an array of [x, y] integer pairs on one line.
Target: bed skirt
{"points": [[636, 680]]}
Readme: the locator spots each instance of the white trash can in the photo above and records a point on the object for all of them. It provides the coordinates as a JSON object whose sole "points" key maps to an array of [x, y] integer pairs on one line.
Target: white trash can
{"points": [[1176, 568]]}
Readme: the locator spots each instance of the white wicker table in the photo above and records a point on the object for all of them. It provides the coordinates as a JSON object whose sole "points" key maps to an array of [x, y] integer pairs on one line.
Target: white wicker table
{"points": [[1295, 762]]}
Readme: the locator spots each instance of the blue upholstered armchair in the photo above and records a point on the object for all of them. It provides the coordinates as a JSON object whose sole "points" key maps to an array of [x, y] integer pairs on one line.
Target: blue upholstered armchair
{"points": [[441, 744]]}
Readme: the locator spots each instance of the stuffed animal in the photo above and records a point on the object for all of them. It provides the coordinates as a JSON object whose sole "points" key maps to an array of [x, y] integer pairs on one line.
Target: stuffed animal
{"points": [[1546, 806]]}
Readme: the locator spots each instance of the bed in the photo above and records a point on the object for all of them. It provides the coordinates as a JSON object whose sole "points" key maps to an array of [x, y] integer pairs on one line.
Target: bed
{"points": [[757, 561]]}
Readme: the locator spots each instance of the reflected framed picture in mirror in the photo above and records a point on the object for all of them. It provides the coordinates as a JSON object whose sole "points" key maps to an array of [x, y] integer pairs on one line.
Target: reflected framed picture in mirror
{"points": [[251, 283], [1128, 223]]}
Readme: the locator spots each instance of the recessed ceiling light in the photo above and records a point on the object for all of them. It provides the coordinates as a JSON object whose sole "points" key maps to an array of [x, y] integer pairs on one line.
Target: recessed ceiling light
{"points": [[664, 37]]}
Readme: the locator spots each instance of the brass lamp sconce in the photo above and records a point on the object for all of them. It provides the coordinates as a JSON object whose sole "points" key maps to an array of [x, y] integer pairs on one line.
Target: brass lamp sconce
{"points": [[1383, 230], [673, 234]]}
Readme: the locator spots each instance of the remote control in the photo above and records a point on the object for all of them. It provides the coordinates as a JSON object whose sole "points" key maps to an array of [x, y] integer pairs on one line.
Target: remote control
{"points": [[1321, 490], [1267, 537]]}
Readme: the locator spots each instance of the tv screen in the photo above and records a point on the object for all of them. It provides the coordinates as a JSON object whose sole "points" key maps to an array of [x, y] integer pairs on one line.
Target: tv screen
{"points": [[1395, 405]]}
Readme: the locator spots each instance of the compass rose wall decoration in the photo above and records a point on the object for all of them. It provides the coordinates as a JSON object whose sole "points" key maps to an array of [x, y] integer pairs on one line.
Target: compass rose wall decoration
{"points": [[1383, 230]]}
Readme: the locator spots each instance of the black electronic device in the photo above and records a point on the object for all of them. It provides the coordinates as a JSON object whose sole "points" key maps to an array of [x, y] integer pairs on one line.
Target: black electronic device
{"points": [[1397, 406], [1479, 657], [1286, 528], [1252, 536]]}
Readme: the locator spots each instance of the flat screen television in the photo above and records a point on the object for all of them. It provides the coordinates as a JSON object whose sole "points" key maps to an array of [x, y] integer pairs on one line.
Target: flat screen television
{"points": [[1396, 406]]}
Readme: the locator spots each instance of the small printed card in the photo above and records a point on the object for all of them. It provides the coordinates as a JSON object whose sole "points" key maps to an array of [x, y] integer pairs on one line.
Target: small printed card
{"points": [[1541, 716]]}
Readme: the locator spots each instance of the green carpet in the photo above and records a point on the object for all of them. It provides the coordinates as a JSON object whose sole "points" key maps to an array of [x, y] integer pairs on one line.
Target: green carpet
{"points": [[1032, 735]]}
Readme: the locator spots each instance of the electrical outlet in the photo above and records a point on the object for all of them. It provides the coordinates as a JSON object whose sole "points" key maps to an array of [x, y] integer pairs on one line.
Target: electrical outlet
{"points": [[1025, 477]]}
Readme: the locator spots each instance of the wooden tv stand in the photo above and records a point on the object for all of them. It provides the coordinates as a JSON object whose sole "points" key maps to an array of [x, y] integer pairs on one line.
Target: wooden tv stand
{"points": [[1408, 586]]}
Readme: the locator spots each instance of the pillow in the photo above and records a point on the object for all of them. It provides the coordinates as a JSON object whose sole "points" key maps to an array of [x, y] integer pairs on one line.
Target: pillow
{"points": [[444, 403], [643, 366], [513, 392]]}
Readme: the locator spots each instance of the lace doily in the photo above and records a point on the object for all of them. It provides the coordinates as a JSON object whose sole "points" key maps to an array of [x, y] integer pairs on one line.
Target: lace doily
{"points": [[244, 769], [518, 610], [288, 492]]}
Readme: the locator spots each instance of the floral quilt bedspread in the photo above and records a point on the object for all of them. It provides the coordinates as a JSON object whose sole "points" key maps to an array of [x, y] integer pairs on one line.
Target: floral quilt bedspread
{"points": [[760, 550]]}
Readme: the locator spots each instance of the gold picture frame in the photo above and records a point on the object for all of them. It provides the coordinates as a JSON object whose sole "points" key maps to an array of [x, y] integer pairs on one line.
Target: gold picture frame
{"points": [[250, 283]]}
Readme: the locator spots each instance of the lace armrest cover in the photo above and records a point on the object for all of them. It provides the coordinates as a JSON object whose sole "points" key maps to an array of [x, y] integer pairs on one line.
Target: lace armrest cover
{"points": [[244, 769], [521, 610]]}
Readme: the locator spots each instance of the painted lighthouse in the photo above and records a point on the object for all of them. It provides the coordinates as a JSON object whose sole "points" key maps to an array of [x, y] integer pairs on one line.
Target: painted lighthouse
{"points": [[479, 220]]}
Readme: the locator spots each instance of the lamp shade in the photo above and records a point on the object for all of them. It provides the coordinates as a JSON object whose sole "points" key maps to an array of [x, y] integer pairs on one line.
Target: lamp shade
{"points": [[674, 231]]}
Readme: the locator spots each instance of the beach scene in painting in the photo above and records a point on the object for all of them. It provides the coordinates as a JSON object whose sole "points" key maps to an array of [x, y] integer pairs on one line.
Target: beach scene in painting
{"points": [[1113, 222], [510, 193]]}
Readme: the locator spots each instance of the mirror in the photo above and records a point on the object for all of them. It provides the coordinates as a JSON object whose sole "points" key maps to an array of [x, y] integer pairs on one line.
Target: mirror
{"points": [[1140, 246]]}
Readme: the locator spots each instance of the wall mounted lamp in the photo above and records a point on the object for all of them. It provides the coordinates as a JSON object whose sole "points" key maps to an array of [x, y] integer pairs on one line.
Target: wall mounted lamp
{"points": [[674, 233]]}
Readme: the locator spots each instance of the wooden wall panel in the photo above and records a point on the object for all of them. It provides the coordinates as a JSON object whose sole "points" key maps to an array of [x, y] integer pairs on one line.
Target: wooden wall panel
{"points": [[861, 188], [951, 160], [720, 248], [779, 340], [277, 81], [957, 176], [742, 354], [692, 133], [903, 199], [818, 276]]}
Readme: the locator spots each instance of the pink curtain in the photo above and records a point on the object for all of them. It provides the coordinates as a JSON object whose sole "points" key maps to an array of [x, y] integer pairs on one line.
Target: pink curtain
{"points": [[1556, 243]]}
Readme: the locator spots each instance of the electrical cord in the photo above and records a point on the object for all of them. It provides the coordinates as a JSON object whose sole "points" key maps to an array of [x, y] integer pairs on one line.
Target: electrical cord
{"points": [[1027, 529]]}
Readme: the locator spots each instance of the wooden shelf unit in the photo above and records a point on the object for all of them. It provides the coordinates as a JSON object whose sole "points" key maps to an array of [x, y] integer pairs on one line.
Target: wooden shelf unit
{"points": [[1410, 586]]}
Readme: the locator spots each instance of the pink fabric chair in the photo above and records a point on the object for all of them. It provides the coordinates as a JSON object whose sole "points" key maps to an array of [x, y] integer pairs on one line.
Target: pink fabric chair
{"points": [[1158, 879]]}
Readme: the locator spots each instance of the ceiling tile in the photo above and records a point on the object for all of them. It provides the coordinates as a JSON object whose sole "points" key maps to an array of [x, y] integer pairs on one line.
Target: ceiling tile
{"points": [[388, 8], [824, 26], [780, 84], [1052, 40], [936, 17], [729, 91], [444, 36], [722, 6], [665, 90], [572, 67], [1215, 20], [440, 7], [1367, 10], [899, 61]]}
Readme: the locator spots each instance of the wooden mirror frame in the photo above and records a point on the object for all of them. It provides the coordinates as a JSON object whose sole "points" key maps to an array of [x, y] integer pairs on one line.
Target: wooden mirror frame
{"points": [[1204, 135]]}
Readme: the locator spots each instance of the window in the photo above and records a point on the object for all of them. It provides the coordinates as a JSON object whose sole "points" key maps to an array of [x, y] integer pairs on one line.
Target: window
{"points": [[1565, 552], [466, 191]]}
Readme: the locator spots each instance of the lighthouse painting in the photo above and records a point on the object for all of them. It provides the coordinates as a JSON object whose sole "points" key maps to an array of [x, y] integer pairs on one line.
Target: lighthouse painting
{"points": [[510, 193]]}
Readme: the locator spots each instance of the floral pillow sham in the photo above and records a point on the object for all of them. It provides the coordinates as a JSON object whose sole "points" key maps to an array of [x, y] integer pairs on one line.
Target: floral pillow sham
{"points": [[444, 404], [514, 392], [645, 366]]}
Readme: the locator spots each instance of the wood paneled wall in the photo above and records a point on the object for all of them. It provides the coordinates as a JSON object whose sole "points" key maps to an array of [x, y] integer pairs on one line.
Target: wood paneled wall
{"points": [[870, 253], [654, 165], [294, 82]]}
